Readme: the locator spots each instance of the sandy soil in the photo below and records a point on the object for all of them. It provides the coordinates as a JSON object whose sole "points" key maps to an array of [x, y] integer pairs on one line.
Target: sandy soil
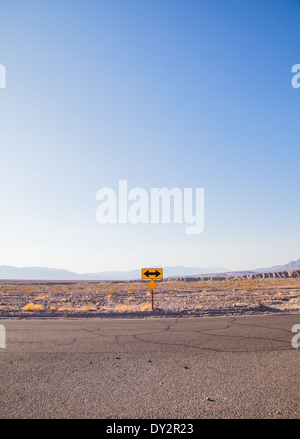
{"points": [[233, 296]]}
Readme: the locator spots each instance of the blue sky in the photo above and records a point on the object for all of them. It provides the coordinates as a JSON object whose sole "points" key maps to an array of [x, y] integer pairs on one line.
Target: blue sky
{"points": [[163, 94]]}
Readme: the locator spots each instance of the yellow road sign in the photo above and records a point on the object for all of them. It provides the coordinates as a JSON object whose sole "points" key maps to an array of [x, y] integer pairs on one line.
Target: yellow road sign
{"points": [[152, 284], [152, 273]]}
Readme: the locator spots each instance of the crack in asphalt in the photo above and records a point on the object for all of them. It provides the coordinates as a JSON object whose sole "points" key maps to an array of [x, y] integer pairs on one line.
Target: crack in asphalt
{"points": [[206, 332], [172, 326], [95, 331], [202, 348], [70, 343]]}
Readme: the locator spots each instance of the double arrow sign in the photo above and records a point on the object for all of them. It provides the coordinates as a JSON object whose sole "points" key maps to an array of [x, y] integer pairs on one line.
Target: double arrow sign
{"points": [[152, 273]]}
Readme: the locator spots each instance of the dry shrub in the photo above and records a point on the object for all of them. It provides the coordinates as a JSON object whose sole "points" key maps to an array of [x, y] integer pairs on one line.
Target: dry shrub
{"points": [[109, 293], [145, 306], [32, 307], [84, 308], [122, 308], [65, 307]]}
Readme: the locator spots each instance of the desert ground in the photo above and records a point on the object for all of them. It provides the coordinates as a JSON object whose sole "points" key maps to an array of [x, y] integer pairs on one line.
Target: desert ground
{"points": [[173, 297]]}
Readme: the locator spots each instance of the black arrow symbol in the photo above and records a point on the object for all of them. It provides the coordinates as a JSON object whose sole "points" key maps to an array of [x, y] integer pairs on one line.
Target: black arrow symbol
{"points": [[152, 273]]}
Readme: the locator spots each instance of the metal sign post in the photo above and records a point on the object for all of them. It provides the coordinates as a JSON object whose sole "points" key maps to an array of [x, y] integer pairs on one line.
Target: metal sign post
{"points": [[152, 273]]}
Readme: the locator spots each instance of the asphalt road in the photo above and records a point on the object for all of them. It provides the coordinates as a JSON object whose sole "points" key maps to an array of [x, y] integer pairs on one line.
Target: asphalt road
{"points": [[221, 367]]}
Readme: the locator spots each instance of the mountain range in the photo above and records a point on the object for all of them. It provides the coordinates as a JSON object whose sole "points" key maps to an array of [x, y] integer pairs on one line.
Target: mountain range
{"points": [[43, 273]]}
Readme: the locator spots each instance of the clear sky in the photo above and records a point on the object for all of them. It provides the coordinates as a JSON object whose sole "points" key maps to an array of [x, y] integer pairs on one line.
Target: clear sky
{"points": [[162, 93]]}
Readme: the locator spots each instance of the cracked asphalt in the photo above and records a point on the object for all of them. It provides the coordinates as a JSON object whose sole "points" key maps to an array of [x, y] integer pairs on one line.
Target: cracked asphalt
{"points": [[150, 368]]}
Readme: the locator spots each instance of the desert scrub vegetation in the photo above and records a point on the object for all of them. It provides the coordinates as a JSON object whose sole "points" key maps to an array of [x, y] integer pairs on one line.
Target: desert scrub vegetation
{"points": [[85, 308], [122, 308], [113, 296], [32, 307], [145, 306], [65, 307]]}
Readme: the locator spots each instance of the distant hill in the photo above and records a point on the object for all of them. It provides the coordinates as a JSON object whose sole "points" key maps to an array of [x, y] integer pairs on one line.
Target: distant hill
{"points": [[44, 273], [39, 273], [293, 265]]}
